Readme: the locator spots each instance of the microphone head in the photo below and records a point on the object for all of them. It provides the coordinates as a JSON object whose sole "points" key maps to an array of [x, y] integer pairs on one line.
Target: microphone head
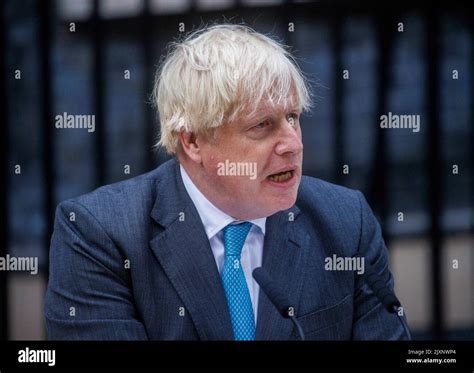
{"points": [[378, 285], [277, 297]]}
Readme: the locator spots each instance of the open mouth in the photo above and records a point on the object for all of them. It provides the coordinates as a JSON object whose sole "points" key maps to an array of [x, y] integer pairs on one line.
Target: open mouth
{"points": [[281, 177]]}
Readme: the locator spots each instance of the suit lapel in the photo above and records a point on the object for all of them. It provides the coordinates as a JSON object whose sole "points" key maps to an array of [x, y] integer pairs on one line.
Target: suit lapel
{"points": [[283, 259], [184, 252]]}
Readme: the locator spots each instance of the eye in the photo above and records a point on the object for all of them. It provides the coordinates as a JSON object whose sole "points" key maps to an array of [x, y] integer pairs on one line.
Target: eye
{"points": [[292, 118], [261, 125]]}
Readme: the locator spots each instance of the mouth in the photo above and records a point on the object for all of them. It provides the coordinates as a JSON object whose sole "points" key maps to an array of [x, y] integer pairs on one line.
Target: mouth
{"points": [[285, 178], [281, 177]]}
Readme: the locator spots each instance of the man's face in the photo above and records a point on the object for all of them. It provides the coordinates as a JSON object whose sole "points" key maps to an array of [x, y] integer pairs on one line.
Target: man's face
{"points": [[252, 167]]}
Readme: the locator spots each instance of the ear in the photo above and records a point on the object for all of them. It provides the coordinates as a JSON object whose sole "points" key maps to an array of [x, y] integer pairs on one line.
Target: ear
{"points": [[190, 146]]}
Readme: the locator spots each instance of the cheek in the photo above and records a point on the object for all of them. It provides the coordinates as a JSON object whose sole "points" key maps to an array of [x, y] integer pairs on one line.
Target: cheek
{"points": [[212, 165], [211, 159]]}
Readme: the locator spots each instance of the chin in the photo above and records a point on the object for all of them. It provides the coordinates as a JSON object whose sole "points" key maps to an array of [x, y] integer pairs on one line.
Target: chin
{"points": [[283, 204], [288, 204]]}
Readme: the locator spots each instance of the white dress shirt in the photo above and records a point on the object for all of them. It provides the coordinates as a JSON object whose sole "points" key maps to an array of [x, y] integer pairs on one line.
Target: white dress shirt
{"points": [[214, 221]]}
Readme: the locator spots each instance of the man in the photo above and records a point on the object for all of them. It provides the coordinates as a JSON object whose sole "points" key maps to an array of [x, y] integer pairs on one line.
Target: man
{"points": [[170, 254]]}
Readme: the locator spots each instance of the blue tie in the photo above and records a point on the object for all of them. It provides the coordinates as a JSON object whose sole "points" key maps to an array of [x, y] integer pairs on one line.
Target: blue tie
{"points": [[235, 286]]}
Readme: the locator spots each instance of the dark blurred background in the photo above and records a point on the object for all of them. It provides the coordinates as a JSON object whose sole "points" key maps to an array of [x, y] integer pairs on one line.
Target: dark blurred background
{"points": [[402, 57]]}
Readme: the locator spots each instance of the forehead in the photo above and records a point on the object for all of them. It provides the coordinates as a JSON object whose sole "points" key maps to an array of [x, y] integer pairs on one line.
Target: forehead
{"points": [[268, 107]]}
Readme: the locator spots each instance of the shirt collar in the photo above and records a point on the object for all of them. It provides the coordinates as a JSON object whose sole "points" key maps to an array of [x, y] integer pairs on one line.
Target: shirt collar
{"points": [[213, 219]]}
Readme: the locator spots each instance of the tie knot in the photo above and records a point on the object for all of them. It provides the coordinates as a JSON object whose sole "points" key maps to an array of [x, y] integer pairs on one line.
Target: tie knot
{"points": [[234, 238]]}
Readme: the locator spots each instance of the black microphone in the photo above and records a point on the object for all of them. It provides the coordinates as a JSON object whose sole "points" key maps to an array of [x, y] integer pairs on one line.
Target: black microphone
{"points": [[278, 299], [384, 294], [377, 284]]}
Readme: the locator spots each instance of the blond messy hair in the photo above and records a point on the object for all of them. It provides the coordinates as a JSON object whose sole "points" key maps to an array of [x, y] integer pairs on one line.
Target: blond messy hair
{"points": [[219, 73]]}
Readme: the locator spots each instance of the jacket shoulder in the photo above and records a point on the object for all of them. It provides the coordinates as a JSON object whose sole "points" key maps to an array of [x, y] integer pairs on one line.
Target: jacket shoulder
{"points": [[327, 195], [332, 209], [125, 203], [117, 194]]}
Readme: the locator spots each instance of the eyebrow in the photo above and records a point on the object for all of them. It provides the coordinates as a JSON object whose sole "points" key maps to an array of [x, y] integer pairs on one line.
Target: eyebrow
{"points": [[270, 111]]}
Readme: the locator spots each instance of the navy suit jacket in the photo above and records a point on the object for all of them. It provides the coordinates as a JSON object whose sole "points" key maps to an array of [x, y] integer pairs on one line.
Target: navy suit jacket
{"points": [[131, 261]]}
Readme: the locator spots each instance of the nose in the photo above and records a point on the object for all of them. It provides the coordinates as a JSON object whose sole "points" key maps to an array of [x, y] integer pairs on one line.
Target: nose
{"points": [[289, 139]]}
